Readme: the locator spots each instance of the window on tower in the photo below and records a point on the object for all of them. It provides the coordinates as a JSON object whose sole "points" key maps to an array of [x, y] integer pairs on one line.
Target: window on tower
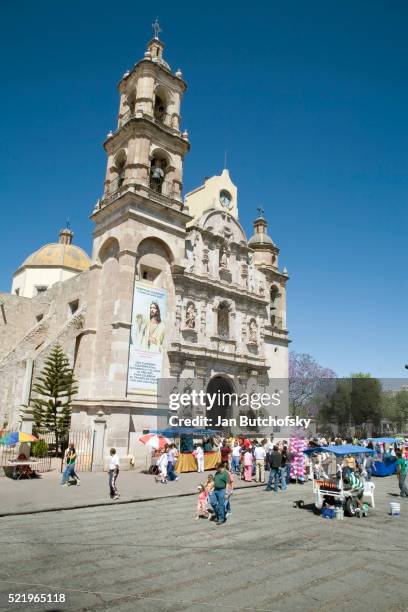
{"points": [[158, 169], [276, 321], [159, 109]]}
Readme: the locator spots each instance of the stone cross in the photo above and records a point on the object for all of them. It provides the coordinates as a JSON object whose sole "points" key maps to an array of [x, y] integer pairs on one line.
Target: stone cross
{"points": [[261, 211]]}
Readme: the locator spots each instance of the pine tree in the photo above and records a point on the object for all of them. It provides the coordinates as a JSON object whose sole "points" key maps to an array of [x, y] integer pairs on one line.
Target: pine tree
{"points": [[55, 388]]}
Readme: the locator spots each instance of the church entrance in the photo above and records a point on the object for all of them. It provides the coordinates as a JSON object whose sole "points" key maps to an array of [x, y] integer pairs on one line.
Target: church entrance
{"points": [[222, 389]]}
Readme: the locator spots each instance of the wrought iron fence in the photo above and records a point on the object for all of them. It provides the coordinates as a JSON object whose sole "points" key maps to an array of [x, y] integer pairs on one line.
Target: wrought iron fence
{"points": [[83, 441]]}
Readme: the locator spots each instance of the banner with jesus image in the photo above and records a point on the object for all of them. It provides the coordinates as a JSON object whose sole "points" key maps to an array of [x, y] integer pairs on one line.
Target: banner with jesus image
{"points": [[147, 338]]}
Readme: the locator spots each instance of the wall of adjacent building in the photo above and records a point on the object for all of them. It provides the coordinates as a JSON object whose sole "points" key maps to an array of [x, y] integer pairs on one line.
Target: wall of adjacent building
{"points": [[26, 281]]}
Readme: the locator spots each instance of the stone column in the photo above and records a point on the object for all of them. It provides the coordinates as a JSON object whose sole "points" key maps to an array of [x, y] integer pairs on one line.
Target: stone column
{"points": [[28, 375], [99, 442], [122, 324]]}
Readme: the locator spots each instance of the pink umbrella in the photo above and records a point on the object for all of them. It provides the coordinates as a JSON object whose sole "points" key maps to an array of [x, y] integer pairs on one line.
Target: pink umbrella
{"points": [[155, 441]]}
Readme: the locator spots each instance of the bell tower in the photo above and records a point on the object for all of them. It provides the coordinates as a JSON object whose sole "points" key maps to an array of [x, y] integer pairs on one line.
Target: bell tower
{"points": [[146, 151], [139, 233]]}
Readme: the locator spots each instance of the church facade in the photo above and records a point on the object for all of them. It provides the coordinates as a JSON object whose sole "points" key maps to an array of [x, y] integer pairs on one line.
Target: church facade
{"points": [[173, 290]]}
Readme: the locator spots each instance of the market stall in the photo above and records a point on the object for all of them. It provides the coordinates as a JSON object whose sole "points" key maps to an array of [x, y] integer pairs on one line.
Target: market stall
{"points": [[185, 438], [385, 463], [330, 489], [186, 462]]}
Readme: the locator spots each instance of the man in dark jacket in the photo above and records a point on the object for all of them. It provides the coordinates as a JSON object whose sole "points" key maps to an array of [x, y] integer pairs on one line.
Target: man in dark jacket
{"points": [[275, 462]]}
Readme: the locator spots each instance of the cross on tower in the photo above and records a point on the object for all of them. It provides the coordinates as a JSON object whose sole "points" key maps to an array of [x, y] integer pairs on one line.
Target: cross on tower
{"points": [[156, 29], [261, 211]]}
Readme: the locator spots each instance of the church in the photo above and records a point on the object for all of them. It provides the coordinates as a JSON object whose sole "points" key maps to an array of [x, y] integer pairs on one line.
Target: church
{"points": [[173, 290]]}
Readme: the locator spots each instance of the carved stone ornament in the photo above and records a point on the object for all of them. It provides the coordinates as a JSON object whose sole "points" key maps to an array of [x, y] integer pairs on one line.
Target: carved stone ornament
{"points": [[190, 316]]}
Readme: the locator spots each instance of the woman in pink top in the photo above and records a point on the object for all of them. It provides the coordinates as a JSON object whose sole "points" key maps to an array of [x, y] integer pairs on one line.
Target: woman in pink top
{"points": [[248, 460]]}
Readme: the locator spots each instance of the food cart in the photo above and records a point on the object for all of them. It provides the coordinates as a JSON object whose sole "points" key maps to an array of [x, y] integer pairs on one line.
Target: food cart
{"points": [[328, 477]]}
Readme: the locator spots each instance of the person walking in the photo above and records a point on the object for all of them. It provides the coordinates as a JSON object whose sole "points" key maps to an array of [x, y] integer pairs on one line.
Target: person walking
{"points": [[202, 503], [162, 464], [170, 463], [260, 454], [229, 491], [69, 471], [236, 456], [368, 467], [220, 484], [248, 461], [210, 488], [402, 474], [113, 473], [275, 462], [282, 474]]}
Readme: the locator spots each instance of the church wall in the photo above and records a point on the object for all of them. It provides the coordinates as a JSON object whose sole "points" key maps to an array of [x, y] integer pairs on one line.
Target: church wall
{"points": [[24, 339]]}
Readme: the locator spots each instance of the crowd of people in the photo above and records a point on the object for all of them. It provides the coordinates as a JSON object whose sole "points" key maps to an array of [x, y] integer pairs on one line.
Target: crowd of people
{"points": [[251, 460]]}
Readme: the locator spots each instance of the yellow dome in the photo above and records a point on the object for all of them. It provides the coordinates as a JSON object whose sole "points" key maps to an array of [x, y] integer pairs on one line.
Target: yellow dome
{"points": [[57, 255]]}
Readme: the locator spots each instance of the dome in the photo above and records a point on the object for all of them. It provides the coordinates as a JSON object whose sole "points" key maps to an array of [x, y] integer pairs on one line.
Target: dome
{"points": [[59, 255], [260, 239]]}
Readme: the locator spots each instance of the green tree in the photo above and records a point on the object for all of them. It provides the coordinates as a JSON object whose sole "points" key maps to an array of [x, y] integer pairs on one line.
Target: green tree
{"points": [[337, 407], [54, 389], [395, 408], [366, 399]]}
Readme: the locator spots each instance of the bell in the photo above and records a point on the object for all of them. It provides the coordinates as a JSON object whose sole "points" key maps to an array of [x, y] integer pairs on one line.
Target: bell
{"points": [[157, 174]]}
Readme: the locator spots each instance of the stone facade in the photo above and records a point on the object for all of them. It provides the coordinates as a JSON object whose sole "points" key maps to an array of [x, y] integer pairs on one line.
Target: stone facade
{"points": [[226, 305]]}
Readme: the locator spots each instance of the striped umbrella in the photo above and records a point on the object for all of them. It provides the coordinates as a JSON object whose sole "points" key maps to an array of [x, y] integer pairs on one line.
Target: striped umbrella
{"points": [[17, 437], [155, 441]]}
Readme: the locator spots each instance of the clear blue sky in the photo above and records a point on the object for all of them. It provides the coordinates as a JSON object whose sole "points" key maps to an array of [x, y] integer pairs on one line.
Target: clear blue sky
{"points": [[309, 98]]}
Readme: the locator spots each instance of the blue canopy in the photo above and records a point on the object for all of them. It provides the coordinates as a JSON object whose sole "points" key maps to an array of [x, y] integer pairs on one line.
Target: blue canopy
{"points": [[383, 440], [341, 450]]}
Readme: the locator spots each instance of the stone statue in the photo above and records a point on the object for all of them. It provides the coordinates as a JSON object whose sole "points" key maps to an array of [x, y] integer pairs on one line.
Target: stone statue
{"points": [[223, 259], [253, 331], [261, 288], [191, 244], [190, 316]]}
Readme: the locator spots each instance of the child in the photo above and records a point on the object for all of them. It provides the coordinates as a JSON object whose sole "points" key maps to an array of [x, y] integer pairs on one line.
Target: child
{"points": [[228, 492], [162, 465], [202, 509], [209, 487], [200, 458]]}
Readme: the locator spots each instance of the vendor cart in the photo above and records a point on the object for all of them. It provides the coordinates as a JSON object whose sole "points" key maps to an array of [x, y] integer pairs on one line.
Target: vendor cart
{"points": [[328, 480]]}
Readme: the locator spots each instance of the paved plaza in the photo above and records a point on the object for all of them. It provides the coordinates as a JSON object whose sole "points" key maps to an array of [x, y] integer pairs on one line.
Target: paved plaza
{"points": [[153, 555]]}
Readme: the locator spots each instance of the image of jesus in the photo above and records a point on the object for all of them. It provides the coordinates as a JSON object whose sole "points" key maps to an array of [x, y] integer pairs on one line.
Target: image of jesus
{"points": [[155, 329]]}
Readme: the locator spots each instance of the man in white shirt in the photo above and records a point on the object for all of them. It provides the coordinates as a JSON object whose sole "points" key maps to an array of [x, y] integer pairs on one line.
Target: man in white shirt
{"points": [[260, 454], [113, 473]]}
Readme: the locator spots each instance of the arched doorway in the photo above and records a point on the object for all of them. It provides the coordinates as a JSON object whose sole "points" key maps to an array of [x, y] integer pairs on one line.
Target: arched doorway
{"points": [[223, 390]]}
